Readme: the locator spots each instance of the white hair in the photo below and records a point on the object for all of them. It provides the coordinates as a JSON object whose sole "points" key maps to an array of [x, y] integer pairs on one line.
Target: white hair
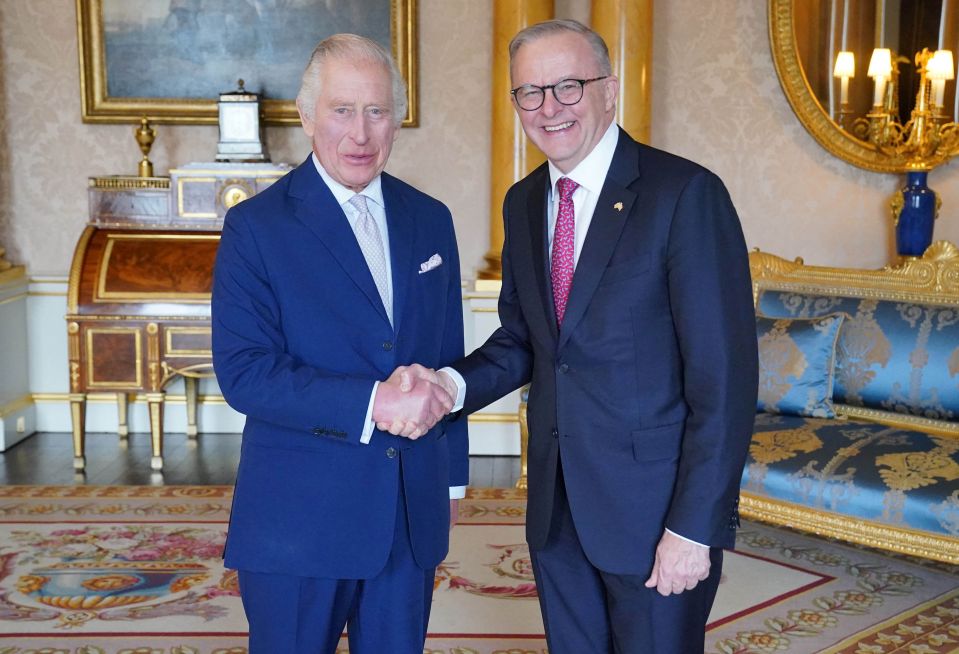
{"points": [[550, 27], [350, 47]]}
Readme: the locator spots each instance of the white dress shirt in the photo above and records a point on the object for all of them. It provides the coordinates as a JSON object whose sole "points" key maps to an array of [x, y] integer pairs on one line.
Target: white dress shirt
{"points": [[377, 208], [590, 174]]}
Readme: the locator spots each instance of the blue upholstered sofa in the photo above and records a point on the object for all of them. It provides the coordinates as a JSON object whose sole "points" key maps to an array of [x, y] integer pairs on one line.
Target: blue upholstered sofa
{"points": [[876, 459]]}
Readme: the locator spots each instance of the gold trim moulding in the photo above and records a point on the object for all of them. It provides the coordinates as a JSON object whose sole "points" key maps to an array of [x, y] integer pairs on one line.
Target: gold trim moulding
{"points": [[900, 420], [901, 540], [15, 405], [14, 298], [79, 317], [129, 183], [198, 236], [137, 398], [97, 106], [46, 294], [262, 174], [933, 278], [171, 351], [76, 266], [151, 297], [494, 417], [51, 279]]}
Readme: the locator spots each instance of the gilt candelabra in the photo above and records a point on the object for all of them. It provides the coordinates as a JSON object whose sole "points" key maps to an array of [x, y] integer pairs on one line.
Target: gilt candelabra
{"points": [[929, 138]]}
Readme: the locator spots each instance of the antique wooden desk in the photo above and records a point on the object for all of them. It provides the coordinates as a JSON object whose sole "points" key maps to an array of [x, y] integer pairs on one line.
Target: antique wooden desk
{"points": [[138, 303], [139, 314]]}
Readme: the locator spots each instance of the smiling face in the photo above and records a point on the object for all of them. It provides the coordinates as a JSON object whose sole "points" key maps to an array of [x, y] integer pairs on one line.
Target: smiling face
{"points": [[352, 124], [565, 133]]}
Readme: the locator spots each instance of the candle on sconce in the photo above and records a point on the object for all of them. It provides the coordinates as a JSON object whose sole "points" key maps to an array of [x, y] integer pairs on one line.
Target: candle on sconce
{"points": [[940, 69], [845, 69], [880, 69]]}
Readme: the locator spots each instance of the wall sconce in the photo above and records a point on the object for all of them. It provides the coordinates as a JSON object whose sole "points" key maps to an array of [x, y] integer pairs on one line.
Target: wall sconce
{"points": [[880, 69], [845, 69], [940, 70]]}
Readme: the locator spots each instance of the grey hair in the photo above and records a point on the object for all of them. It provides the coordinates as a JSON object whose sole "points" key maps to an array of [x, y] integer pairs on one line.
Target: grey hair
{"points": [[550, 27], [352, 48]]}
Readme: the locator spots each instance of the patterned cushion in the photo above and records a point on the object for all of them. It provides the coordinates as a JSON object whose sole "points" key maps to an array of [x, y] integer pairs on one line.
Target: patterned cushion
{"points": [[858, 469], [796, 358], [892, 356]]}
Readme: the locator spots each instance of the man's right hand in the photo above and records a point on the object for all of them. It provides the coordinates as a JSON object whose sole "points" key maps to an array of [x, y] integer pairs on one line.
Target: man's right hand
{"points": [[408, 374], [411, 401]]}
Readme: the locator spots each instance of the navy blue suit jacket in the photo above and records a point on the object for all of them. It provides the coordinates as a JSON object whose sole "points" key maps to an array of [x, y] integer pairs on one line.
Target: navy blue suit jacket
{"points": [[648, 391], [299, 337]]}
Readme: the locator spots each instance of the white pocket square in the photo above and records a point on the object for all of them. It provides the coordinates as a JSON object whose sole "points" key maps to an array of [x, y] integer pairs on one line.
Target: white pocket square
{"points": [[434, 261]]}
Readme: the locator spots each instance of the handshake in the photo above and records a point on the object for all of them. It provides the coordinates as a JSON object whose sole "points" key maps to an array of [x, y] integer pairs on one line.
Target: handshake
{"points": [[412, 400]]}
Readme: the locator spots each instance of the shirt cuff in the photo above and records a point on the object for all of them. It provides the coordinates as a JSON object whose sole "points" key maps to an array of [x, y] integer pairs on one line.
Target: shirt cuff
{"points": [[368, 424], [688, 540], [457, 492], [460, 388]]}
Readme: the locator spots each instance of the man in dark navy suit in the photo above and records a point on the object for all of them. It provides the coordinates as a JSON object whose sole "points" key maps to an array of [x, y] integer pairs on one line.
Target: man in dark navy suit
{"points": [[626, 304], [324, 284]]}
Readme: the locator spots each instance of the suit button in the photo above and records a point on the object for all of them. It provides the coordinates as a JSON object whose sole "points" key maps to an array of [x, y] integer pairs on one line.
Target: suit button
{"points": [[564, 368], [317, 431], [391, 452], [555, 433], [387, 345]]}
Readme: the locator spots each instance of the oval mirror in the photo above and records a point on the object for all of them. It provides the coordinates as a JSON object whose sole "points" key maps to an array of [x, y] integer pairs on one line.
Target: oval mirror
{"points": [[807, 37]]}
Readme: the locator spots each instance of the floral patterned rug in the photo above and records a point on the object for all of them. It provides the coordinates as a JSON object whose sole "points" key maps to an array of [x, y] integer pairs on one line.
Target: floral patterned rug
{"points": [[137, 570]]}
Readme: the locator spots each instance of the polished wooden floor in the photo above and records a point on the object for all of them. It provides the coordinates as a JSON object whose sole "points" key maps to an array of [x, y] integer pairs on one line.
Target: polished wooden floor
{"points": [[47, 458]]}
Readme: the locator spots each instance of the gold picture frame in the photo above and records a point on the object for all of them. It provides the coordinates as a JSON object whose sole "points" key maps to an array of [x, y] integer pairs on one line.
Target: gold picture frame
{"points": [[99, 106]]}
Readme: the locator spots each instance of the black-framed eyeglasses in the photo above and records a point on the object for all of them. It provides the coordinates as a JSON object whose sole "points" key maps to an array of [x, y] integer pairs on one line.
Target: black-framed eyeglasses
{"points": [[530, 97]]}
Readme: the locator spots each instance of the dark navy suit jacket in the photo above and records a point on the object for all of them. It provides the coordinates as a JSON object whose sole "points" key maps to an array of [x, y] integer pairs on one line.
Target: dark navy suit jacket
{"points": [[299, 337], [648, 391]]}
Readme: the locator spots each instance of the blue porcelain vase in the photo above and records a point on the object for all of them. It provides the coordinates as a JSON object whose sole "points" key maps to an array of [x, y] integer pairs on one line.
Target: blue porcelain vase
{"points": [[917, 216]]}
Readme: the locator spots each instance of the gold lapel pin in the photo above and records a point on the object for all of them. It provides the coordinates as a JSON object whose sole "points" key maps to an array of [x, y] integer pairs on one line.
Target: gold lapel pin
{"points": [[618, 206]]}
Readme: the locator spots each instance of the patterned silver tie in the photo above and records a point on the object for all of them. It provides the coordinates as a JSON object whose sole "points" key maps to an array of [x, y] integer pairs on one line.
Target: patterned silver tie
{"points": [[371, 244]]}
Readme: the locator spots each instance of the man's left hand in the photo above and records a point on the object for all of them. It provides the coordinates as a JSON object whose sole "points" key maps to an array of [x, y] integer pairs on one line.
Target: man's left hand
{"points": [[680, 565], [454, 512]]}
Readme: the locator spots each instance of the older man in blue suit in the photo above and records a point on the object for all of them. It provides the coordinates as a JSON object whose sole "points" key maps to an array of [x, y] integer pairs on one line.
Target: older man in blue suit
{"points": [[324, 284], [626, 303]]}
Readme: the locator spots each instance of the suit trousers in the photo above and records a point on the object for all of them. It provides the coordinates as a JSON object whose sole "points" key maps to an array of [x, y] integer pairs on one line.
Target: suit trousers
{"points": [[589, 611], [301, 615]]}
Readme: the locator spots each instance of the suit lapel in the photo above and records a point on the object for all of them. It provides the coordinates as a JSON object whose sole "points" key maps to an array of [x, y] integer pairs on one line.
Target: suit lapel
{"points": [[604, 231], [538, 225], [402, 227], [320, 212]]}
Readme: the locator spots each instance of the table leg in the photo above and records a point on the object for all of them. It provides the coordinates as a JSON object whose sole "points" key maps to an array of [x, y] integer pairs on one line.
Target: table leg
{"points": [[192, 392], [78, 413], [155, 404], [123, 429]]}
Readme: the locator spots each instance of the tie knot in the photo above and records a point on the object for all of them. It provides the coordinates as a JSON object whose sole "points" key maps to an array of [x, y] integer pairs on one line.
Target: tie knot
{"points": [[359, 203], [566, 187]]}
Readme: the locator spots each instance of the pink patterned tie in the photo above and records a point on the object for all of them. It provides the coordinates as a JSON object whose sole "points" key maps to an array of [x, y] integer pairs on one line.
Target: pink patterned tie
{"points": [[564, 246]]}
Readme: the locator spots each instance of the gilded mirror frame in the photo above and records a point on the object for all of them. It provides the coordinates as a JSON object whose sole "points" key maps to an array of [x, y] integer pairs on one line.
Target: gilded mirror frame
{"points": [[97, 106], [812, 115]]}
